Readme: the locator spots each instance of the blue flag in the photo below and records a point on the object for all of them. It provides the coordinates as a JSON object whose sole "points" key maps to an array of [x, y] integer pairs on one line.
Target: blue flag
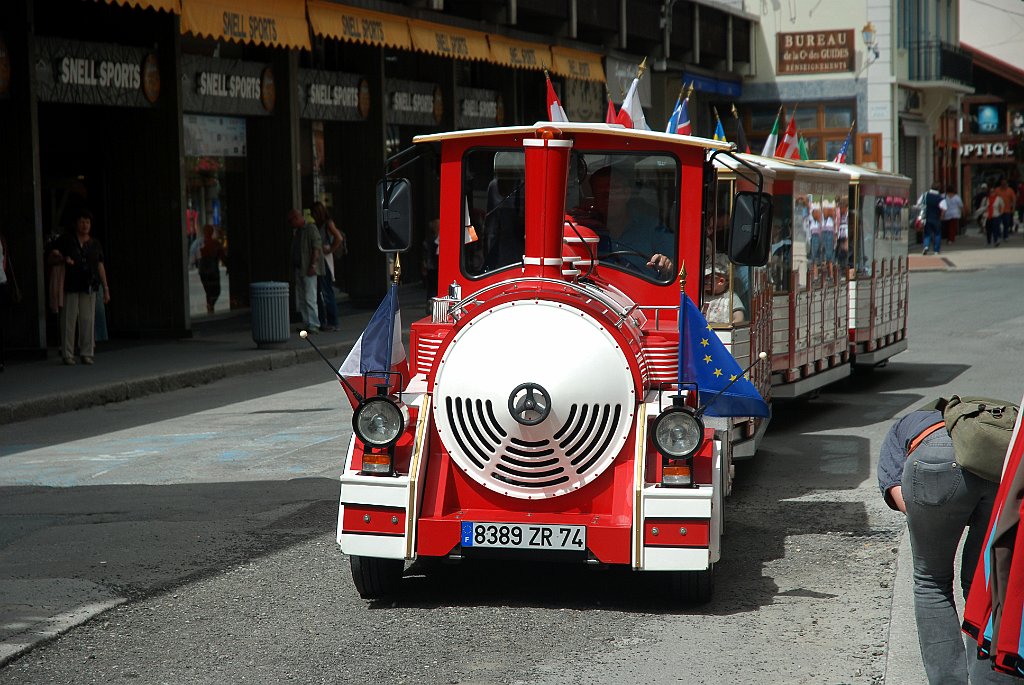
{"points": [[719, 131], [704, 360], [379, 348]]}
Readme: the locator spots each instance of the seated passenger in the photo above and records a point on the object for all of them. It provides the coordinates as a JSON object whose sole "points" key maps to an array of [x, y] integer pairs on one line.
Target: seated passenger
{"points": [[721, 306]]}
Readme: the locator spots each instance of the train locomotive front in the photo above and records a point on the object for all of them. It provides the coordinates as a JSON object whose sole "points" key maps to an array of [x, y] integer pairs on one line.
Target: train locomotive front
{"points": [[540, 421]]}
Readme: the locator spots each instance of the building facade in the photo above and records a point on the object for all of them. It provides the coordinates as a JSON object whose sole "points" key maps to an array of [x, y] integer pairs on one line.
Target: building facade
{"points": [[166, 116]]}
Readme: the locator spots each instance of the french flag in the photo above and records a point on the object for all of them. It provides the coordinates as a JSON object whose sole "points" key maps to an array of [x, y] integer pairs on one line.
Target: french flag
{"points": [[378, 350]]}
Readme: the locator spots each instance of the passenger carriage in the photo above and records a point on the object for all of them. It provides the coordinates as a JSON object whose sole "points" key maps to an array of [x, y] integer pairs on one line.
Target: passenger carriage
{"points": [[807, 273], [879, 275]]}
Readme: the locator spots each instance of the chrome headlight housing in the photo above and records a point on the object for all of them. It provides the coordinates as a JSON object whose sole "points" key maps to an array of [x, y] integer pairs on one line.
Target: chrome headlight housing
{"points": [[678, 432], [379, 421]]}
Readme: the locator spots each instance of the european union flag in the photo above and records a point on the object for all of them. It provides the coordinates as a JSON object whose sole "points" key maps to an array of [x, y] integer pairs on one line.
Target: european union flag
{"points": [[703, 359]]}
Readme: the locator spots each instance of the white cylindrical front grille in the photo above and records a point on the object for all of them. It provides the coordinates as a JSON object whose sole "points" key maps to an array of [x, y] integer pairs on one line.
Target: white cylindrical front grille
{"points": [[548, 353]]}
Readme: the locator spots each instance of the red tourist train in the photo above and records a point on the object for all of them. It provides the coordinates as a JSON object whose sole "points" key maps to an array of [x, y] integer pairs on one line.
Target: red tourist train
{"points": [[547, 410]]}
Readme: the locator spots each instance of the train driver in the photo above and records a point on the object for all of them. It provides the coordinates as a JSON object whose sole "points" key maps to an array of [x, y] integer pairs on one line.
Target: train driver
{"points": [[626, 217]]}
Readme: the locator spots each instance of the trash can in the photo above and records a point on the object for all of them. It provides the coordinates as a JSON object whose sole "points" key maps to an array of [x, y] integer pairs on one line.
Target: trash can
{"points": [[268, 302]]}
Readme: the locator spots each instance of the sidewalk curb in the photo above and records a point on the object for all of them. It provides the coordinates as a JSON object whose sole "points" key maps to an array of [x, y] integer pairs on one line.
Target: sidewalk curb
{"points": [[52, 628], [93, 396]]}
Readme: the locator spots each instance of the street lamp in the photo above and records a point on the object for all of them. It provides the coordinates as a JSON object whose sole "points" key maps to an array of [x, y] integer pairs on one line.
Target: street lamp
{"points": [[869, 35]]}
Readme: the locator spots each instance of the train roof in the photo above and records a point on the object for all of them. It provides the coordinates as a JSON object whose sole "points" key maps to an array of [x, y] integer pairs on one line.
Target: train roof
{"points": [[611, 130], [860, 174], [805, 169]]}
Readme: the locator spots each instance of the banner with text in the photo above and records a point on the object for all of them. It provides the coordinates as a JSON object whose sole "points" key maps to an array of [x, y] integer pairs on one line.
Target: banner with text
{"points": [[414, 102], [225, 86], [76, 72], [333, 96]]}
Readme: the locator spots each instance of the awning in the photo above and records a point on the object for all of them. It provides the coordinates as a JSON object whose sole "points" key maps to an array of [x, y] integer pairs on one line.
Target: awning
{"points": [[172, 6], [280, 23], [585, 66], [519, 54], [358, 25], [448, 41]]}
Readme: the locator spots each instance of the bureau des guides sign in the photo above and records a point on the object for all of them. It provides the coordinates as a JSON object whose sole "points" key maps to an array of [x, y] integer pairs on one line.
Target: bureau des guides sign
{"points": [[77, 72], [815, 52]]}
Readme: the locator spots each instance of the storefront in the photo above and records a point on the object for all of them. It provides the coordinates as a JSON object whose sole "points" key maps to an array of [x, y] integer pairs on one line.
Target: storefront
{"points": [[988, 147]]}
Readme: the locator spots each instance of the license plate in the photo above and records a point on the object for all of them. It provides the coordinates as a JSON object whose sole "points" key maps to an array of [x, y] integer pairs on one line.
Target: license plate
{"points": [[524, 536]]}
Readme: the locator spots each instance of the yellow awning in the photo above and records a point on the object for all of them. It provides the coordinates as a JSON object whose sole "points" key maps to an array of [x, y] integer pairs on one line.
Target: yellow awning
{"points": [[280, 23], [577, 64], [172, 6], [448, 41], [358, 25], [519, 54]]}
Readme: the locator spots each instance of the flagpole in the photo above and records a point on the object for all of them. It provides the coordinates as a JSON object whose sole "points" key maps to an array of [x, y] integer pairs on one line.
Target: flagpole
{"points": [[682, 313]]}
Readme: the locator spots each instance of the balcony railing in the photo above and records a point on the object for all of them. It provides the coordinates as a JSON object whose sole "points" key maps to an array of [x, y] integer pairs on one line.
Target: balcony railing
{"points": [[938, 61]]}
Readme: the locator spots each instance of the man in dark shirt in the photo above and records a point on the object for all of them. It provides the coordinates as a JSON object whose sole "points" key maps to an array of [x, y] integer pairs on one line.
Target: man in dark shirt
{"points": [[919, 475], [82, 258]]}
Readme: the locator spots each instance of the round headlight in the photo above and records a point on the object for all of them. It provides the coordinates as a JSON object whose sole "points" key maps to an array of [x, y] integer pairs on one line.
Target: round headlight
{"points": [[378, 422], [677, 432]]}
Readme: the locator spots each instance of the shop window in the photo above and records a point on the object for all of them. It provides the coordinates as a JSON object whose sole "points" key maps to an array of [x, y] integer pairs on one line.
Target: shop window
{"points": [[215, 149], [838, 116], [806, 119]]}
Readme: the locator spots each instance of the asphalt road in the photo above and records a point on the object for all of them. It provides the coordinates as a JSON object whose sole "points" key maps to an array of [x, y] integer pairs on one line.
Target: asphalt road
{"points": [[211, 513]]}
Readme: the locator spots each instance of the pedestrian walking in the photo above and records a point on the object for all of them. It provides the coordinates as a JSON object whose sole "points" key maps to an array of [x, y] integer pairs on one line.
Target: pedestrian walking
{"points": [[333, 242], [993, 211], [307, 265], [932, 218], [84, 273], [952, 208], [1009, 198], [918, 474]]}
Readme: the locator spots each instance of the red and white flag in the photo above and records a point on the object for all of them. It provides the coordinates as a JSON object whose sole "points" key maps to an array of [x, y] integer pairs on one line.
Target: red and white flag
{"points": [[789, 148], [609, 115], [555, 111], [631, 114]]}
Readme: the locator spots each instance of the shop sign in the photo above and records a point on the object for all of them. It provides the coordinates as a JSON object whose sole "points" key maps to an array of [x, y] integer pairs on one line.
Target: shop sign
{"points": [[584, 100], [224, 86], [479, 108], [414, 103], [333, 96], [207, 136], [5, 69], [986, 152], [76, 72], [815, 52]]}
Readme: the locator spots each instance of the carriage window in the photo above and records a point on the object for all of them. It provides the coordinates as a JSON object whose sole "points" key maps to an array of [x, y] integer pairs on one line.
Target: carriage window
{"points": [[780, 256], [631, 201], [494, 210]]}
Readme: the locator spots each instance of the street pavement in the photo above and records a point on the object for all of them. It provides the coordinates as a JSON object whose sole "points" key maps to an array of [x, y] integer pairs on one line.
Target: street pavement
{"points": [[223, 347]]}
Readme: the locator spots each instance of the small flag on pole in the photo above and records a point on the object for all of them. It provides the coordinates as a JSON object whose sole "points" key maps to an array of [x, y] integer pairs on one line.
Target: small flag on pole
{"points": [[804, 155], [705, 360], [379, 350], [741, 136], [773, 138], [719, 133], [631, 114], [841, 157], [679, 122], [555, 111], [789, 148], [609, 115]]}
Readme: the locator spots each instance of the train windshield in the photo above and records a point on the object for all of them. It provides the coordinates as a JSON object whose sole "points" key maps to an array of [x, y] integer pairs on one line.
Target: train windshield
{"points": [[631, 200]]}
